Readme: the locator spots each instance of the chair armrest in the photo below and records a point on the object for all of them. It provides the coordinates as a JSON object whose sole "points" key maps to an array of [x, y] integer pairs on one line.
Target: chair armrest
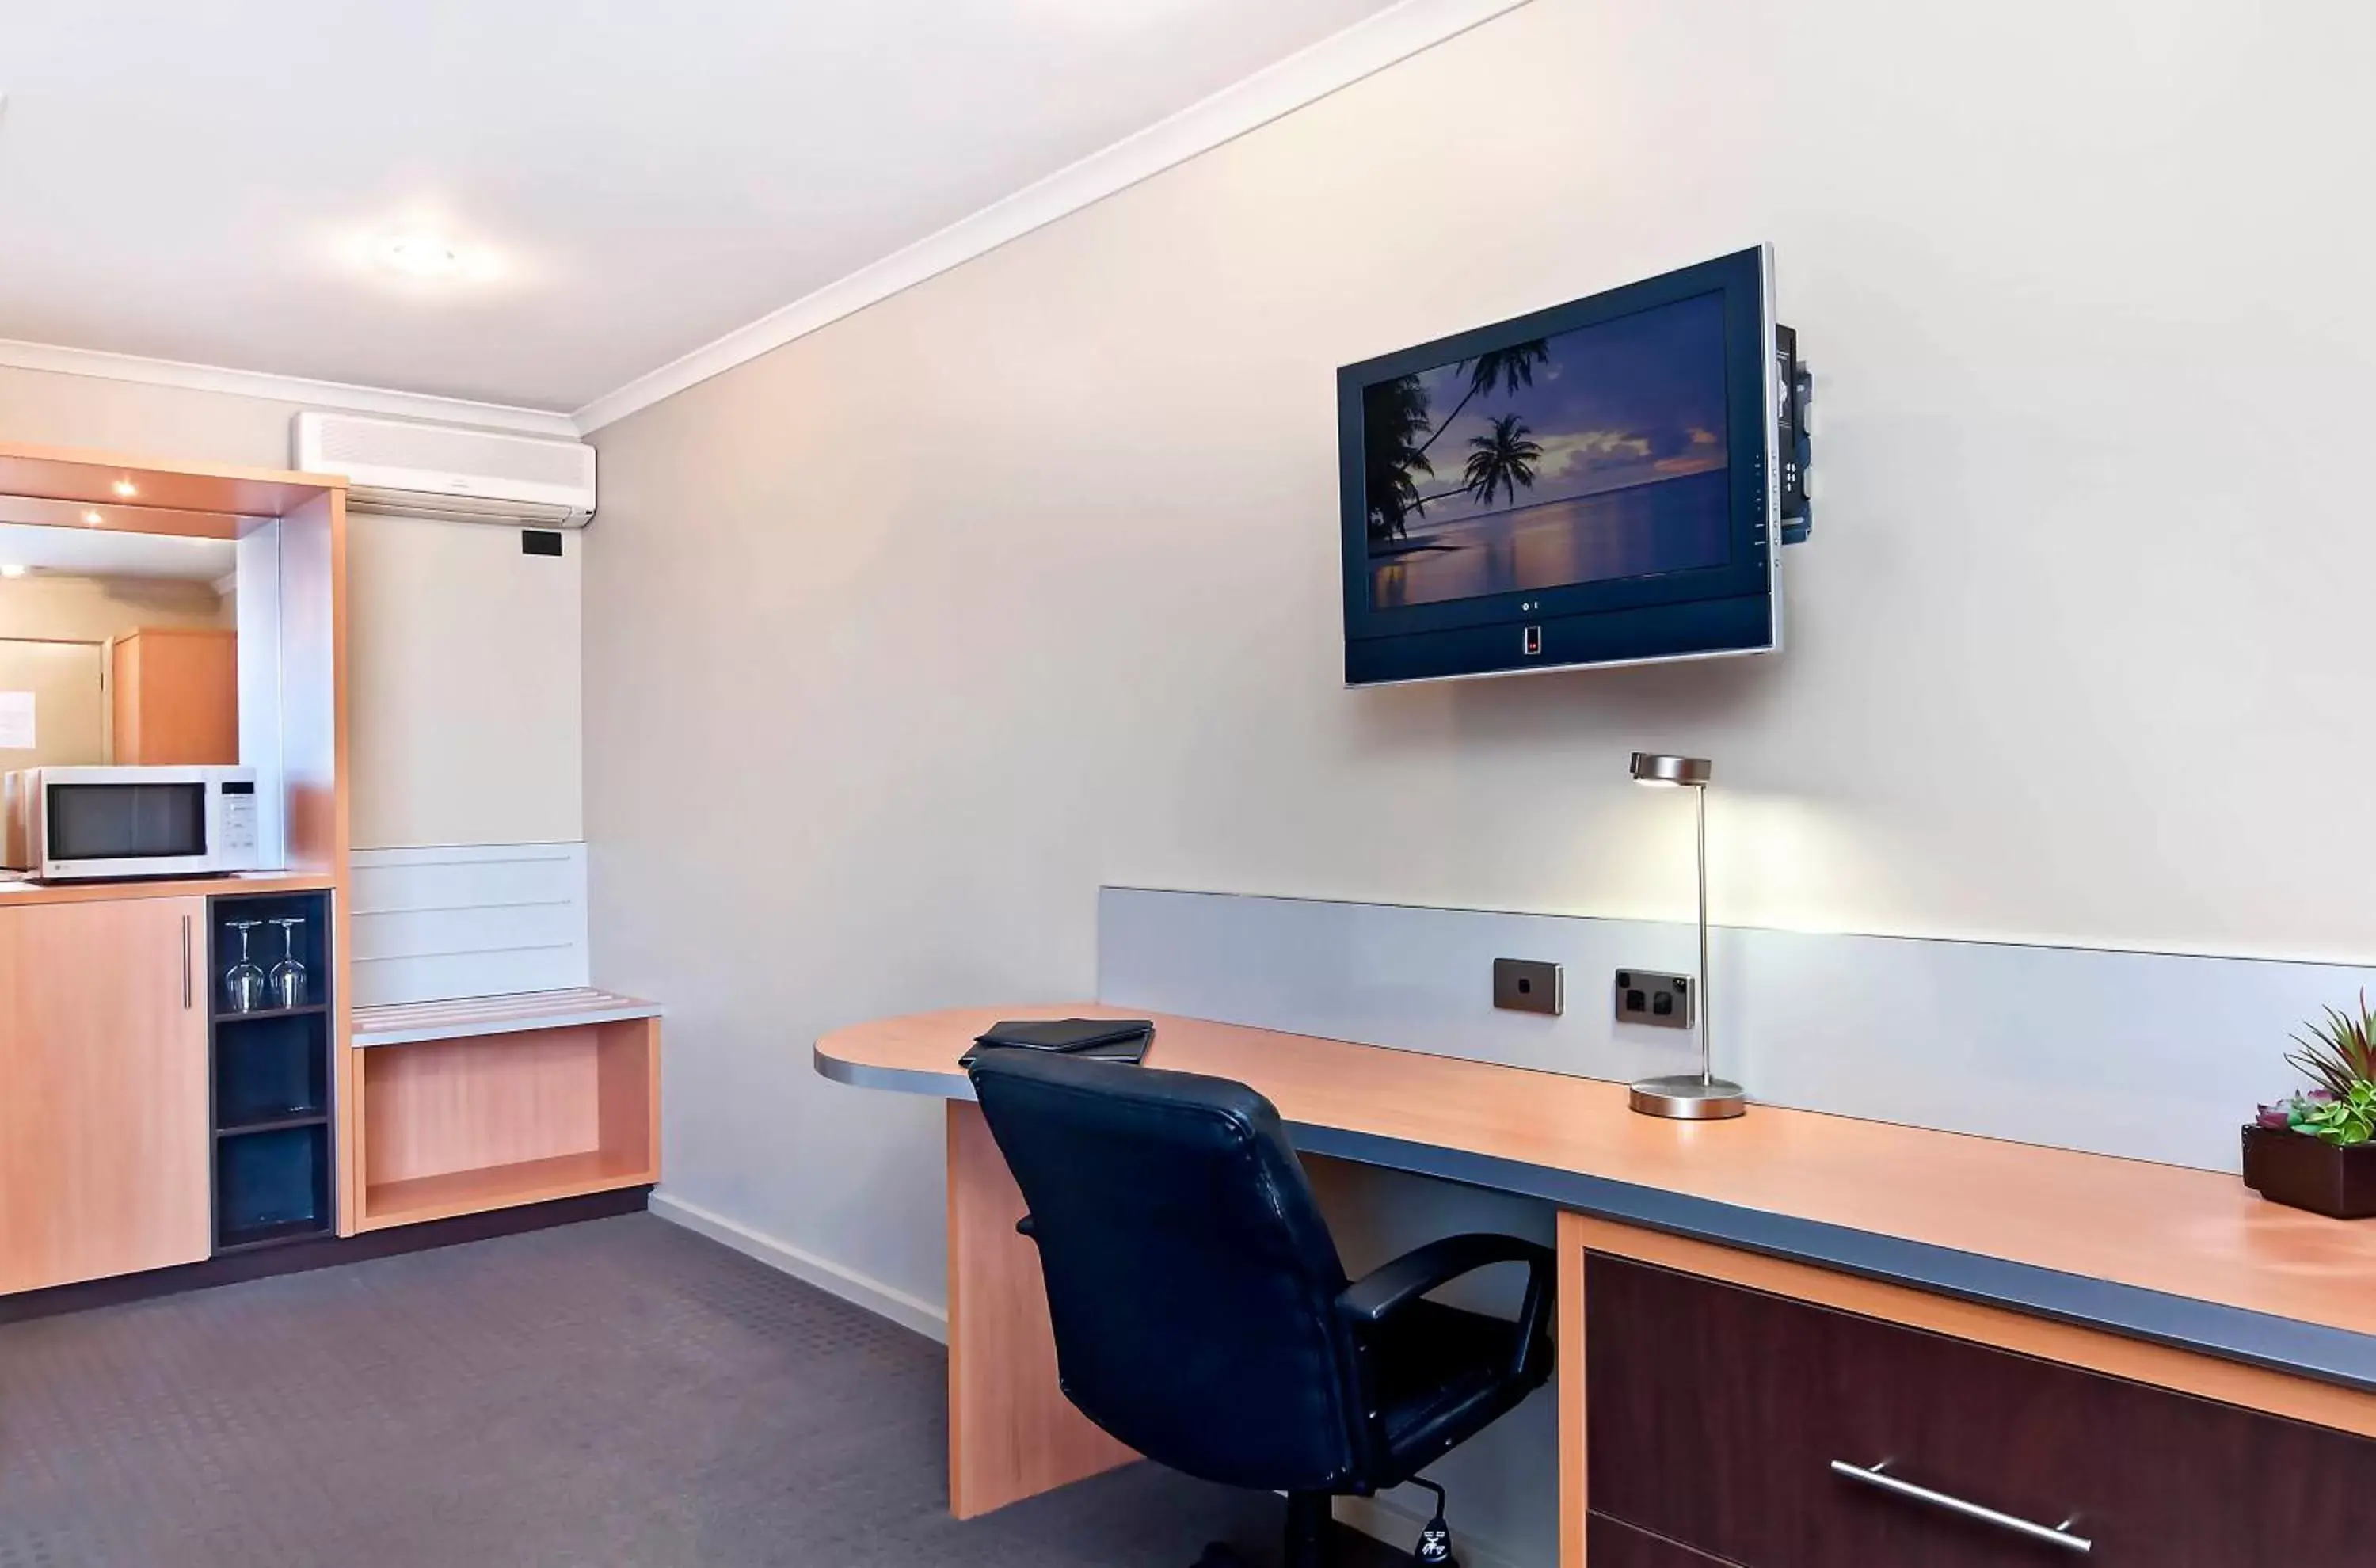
{"points": [[1378, 1295]]}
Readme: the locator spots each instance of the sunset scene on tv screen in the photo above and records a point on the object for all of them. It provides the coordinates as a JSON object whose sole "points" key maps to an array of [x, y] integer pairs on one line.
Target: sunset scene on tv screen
{"points": [[1586, 457]]}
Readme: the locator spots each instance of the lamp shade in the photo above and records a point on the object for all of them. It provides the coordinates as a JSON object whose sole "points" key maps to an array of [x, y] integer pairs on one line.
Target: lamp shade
{"points": [[1652, 767]]}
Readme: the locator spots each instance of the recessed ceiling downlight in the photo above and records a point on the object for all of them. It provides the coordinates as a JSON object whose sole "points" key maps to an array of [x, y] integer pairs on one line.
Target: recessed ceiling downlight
{"points": [[423, 255]]}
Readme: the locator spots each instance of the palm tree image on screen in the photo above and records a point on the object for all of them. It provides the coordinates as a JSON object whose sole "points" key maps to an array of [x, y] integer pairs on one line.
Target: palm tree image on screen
{"points": [[1590, 454]]}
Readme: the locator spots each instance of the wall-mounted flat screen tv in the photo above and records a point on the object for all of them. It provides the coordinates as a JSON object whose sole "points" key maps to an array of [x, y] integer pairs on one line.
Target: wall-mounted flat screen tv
{"points": [[1590, 484]]}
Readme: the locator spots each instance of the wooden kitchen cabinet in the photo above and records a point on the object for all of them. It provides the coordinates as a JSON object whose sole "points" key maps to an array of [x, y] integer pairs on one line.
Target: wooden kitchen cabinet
{"points": [[105, 1131], [176, 696]]}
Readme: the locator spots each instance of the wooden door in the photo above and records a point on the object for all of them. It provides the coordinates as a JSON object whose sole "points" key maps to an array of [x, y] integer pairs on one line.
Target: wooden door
{"points": [[177, 697], [69, 702], [106, 1152]]}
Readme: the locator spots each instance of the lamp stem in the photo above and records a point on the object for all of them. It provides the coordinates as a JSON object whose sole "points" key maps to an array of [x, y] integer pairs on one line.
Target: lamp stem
{"points": [[1706, 1069]]}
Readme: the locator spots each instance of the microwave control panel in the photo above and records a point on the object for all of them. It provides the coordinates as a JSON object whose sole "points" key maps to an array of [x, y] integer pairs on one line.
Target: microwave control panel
{"points": [[239, 823]]}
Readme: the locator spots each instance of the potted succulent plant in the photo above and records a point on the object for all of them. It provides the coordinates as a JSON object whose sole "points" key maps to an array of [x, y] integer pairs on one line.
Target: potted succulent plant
{"points": [[2317, 1148]]}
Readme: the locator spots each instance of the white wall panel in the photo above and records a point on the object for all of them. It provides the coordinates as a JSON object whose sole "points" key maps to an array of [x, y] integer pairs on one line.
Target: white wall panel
{"points": [[472, 920]]}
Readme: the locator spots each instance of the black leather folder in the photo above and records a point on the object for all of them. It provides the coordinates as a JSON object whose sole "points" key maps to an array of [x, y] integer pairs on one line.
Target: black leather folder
{"points": [[1108, 1040]]}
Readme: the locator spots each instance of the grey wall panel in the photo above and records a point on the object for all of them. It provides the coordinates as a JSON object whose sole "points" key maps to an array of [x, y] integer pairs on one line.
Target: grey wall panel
{"points": [[2150, 1056]]}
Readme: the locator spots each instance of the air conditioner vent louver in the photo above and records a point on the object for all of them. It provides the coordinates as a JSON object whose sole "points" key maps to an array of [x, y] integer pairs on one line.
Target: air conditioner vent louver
{"points": [[393, 466]]}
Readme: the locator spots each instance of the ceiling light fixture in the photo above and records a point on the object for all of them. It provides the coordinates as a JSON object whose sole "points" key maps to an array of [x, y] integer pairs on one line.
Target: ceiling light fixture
{"points": [[126, 489], [93, 518], [423, 255]]}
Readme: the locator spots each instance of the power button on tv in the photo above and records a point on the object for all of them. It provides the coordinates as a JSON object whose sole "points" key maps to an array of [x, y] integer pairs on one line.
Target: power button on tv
{"points": [[1534, 643]]}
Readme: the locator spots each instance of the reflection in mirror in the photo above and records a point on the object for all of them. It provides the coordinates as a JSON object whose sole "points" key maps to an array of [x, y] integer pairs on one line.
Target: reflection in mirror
{"points": [[116, 648]]}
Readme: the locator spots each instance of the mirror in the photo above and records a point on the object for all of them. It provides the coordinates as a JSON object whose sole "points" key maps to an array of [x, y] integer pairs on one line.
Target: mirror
{"points": [[116, 648]]}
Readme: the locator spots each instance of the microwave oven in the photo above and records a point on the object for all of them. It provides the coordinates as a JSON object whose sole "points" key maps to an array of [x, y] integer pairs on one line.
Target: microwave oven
{"points": [[79, 823]]}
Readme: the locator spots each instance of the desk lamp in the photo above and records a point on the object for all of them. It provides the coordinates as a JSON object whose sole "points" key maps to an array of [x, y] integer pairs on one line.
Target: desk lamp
{"points": [[1701, 1096]]}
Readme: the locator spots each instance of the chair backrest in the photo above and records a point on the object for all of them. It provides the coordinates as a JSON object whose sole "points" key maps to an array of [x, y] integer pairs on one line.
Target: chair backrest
{"points": [[1190, 1279]]}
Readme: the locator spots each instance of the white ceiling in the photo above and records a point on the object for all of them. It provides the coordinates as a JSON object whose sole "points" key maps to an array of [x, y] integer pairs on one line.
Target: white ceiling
{"points": [[104, 553], [624, 181]]}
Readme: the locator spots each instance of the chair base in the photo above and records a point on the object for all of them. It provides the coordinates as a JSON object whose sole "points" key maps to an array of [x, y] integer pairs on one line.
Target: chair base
{"points": [[1310, 1519]]}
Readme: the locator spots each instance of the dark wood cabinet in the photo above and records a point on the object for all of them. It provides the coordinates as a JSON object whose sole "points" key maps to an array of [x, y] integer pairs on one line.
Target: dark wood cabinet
{"points": [[1612, 1543], [1717, 1413]]}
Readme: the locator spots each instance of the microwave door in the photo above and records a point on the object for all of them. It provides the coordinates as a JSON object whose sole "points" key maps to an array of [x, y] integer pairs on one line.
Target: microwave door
{"points": [[127, 822]]}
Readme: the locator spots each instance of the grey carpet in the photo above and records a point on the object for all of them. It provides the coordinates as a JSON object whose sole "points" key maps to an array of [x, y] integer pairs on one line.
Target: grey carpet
{"points": [[619, 1392]]}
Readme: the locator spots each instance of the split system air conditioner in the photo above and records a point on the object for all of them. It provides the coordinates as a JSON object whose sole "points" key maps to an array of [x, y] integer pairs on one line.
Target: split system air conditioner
{"points": [[433, 471]]}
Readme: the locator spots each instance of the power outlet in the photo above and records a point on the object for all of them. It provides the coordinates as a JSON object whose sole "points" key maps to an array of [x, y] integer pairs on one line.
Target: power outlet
{"points": [[1524, 986], [1663, 1002]]}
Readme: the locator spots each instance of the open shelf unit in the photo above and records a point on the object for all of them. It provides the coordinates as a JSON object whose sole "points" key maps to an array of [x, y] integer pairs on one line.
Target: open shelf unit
{"points": [[274, 1087], [515, 1114]]}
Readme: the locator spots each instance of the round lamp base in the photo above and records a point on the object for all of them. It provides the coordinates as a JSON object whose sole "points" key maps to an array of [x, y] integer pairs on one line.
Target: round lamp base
{"points": [[1689, 1098]]}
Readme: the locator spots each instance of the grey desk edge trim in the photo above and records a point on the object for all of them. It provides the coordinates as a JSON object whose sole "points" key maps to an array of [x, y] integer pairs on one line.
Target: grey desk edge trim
{"points": [[2237, 1334], [949, 1085]]}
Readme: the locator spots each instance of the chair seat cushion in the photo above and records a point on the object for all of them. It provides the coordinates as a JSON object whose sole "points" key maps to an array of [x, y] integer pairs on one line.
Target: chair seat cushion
{"points": [[1438, 1374]]}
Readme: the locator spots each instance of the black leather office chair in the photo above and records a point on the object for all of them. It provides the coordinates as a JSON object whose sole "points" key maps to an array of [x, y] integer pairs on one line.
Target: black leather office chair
{"points": [[1201, 1314]]}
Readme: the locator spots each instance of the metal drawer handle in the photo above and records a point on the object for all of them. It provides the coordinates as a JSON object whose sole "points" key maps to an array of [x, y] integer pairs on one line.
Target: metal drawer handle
{"points": [[2054, 1535]]}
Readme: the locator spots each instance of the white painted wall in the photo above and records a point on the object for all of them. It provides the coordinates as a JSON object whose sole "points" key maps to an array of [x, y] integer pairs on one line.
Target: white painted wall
{"points": [[1026, 579], [464, 680], [914, 632], [464, 690], [96, 609]]}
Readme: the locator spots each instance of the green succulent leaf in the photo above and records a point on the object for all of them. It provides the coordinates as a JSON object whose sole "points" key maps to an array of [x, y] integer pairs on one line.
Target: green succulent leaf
{"points": [[2338, 1052]]}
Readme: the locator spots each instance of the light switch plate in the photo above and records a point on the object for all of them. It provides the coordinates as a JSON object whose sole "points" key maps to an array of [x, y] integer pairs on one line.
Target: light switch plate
{"points": [[1647, 996], [1524, 986]]}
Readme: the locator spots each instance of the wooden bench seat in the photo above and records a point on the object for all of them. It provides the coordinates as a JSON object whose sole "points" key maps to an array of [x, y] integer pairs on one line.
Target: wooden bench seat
{"points": [[403, 1023], [485, 1102]]}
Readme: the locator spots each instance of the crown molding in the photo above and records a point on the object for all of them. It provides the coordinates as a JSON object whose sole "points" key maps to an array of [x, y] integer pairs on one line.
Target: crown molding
{"points": [[338, 395], [1306, 77]]}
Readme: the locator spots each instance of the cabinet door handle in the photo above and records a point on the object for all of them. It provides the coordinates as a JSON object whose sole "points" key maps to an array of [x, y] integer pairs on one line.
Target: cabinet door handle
{"points": [[2053, 1534], [185, 963]]}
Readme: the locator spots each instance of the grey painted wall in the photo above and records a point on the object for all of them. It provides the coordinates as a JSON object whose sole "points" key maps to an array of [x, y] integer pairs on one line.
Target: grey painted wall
{"points": [[2144, 1055]]}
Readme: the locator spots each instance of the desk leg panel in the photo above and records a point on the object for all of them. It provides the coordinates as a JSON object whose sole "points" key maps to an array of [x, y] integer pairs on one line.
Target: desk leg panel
{"points": [[1573, 1500], [1012, 1433]]}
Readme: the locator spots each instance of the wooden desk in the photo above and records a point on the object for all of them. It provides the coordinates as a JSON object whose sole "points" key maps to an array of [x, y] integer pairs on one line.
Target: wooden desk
{"points": [[2181, 1279]]}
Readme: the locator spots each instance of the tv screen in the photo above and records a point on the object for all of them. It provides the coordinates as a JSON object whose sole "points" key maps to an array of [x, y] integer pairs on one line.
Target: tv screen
{"points": [[1585, 485]]}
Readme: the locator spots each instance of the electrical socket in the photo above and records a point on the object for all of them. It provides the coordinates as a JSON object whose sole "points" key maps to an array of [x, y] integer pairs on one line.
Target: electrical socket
{"points": [[1524, 986], [1661, 1001]]}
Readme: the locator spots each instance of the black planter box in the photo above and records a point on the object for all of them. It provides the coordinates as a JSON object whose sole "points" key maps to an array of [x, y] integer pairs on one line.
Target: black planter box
{"points": [[2295, 1169]]}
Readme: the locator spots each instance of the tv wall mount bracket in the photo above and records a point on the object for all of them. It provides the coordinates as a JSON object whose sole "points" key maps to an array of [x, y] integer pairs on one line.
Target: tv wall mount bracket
{"points": [[1796, 389]]}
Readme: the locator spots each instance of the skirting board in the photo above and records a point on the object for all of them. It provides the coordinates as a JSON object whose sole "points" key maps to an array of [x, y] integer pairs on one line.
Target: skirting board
{"points": [[2144, 1055], [908, 1312]]}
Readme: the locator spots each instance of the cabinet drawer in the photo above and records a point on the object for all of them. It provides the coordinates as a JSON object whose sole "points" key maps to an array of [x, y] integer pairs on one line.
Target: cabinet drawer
{"points": [[1715, 1414], [1611, 1544]]}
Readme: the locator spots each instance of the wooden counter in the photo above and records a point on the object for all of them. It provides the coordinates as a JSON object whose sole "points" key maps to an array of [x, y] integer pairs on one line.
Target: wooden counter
{"points": [[2123, 1273], [2120, 1272], [2194, 1236], [21, 895]]}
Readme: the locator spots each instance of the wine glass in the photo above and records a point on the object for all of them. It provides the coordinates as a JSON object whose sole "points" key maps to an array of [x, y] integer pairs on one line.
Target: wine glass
{"points": [[286, 985], [244, 981]]}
